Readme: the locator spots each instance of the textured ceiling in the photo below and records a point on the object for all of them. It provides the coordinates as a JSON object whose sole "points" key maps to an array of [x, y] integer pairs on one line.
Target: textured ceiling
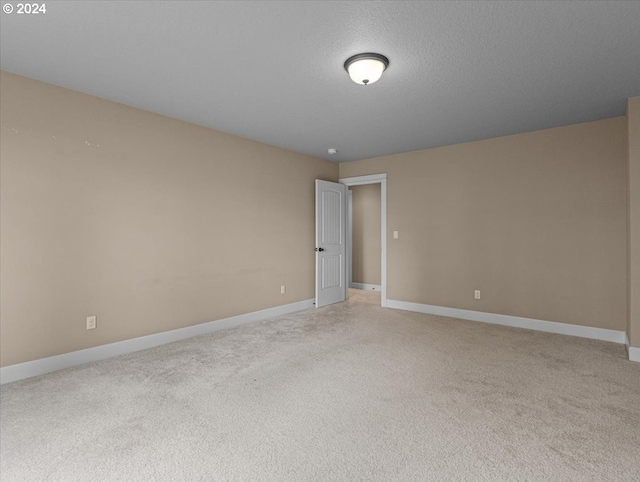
{"points": [[273, 71]]}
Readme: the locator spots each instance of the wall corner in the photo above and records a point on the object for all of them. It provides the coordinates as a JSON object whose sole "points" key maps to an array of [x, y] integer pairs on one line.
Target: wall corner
{"points": [[633, 225]]}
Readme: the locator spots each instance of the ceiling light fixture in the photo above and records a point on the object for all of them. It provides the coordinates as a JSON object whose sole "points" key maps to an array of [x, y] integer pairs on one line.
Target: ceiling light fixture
{"points": [[366, 68]]}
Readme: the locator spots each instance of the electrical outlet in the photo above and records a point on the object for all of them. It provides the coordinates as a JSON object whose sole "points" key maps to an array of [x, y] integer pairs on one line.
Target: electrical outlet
{"points": [[92, 322], [283, 289], [476, 294], [395, 235]]}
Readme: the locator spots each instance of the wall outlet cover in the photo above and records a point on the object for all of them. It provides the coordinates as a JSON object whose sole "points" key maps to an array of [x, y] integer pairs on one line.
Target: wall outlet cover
{"points": [[92, 322]]}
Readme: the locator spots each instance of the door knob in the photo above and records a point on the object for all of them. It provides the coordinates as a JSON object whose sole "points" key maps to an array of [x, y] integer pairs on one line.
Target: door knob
{"points": [[319, 249]]}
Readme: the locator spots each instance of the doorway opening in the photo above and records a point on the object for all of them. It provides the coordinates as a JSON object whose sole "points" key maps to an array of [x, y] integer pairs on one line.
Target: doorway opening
{"points": [[364, 244], [361, 271]]}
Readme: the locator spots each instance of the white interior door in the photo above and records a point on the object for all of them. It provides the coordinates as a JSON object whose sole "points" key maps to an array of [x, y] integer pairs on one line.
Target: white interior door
{"points": [[331, 245]]}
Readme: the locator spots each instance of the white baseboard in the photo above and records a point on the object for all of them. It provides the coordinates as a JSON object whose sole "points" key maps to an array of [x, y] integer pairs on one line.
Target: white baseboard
{"points": [[634, 354], [515, 321], [364, 286], [632, 351], [59, 362]]}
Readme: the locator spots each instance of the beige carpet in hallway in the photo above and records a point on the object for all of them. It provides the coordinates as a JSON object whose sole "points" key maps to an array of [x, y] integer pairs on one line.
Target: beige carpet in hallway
{"points": [[346, 392]]}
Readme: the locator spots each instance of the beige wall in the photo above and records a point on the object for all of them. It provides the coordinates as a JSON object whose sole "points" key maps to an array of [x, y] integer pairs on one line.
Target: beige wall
{"points": [[148, 222], [633, 135], [154, 224], [536, 221], [366, 234]]}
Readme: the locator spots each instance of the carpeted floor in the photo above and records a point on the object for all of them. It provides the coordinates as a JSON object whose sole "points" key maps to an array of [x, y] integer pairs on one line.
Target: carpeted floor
{"points": [[346, 392]]}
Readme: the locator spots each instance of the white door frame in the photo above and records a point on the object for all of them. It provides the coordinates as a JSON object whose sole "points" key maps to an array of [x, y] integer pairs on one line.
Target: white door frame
{"points": [[382, 180], [349, 239]]}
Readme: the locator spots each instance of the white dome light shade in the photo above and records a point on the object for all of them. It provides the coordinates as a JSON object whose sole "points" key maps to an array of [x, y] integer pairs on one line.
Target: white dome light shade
{"points": [[365, 69]]}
